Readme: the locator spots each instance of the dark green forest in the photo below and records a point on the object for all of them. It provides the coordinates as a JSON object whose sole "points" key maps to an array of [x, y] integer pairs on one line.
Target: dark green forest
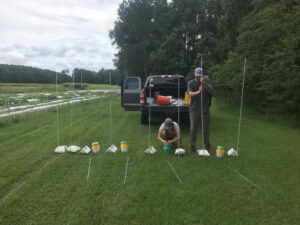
{"points": [[26, 74], [157, 37]]}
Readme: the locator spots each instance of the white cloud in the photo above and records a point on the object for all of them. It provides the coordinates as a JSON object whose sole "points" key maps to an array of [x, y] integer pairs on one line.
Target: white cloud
{"points": [[56, 34]]}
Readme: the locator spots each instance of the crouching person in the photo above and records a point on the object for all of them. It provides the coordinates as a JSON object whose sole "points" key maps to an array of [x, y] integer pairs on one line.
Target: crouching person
{"points": [[169, 133]]}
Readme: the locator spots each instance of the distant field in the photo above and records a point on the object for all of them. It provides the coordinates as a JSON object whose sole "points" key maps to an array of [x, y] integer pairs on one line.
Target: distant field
{"points": [[38, 186], [26, 88], [16, 94]]}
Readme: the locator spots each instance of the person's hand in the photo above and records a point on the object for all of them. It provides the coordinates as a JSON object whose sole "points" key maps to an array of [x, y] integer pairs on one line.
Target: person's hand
{"points": [[202, 80], [165, 142]]}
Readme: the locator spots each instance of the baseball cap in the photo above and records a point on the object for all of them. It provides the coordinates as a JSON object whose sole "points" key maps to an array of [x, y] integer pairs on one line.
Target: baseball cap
{"points": [[198, 72], [168, 124]]}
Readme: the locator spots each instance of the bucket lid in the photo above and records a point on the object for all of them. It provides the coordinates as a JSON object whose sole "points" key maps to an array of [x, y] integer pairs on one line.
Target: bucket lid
{"points": [[95, 143], [220, 146], [123, 142]]}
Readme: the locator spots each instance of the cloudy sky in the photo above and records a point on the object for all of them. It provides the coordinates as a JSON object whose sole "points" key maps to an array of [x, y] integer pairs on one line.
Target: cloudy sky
{"points": [[57, 34]]}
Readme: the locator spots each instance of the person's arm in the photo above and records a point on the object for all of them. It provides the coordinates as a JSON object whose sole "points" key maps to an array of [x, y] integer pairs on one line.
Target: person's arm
{"points": [[178, 134], [178, 137], [206, 85], [194, 93], [159, 137]]}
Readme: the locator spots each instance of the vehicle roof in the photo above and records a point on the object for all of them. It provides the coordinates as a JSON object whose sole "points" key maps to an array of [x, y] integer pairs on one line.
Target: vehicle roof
{"points": [[173, 75]]}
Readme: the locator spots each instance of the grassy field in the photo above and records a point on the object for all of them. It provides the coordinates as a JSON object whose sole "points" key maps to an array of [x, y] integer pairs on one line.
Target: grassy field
{"points": [[38, 186], [29, 88]]}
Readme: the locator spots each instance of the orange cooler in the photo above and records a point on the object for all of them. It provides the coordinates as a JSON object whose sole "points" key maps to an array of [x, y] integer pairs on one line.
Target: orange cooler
{"points": [[163, 100]]}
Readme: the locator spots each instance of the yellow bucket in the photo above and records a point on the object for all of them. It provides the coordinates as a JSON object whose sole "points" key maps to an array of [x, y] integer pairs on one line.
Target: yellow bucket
{"points": [[95, 147], [124, 146], [220, 151]]}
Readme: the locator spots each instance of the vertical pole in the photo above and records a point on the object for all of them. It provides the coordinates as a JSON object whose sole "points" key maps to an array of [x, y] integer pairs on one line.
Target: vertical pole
{"points": [[110, 137], [149, 117], [202, 118], [80, 107], [57, 125], [71, 126], [178, 116], [202, 109], [201, 64], [241, 108]]}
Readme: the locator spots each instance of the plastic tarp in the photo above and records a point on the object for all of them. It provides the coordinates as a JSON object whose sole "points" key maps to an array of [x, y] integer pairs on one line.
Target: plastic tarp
{"points": [[232, 152], [179, 151], [60, 149], [73, 148], [85, 150], [203, 153], [150, 150], [112, 149]]}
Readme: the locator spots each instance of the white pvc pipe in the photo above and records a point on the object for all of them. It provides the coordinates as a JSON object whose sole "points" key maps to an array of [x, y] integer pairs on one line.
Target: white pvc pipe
{"points": [[57, 124], [71, 125], [88, 175], [245, 178], [174, 172], [241, 108], [125, 176]]}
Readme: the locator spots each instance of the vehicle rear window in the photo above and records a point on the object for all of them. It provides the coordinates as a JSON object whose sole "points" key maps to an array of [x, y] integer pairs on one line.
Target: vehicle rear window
{"points": [[131, 84], [165, 81]]}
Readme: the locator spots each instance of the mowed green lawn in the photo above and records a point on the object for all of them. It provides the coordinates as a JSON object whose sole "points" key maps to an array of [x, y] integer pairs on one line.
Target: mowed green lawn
{"points": [[38, 186]]}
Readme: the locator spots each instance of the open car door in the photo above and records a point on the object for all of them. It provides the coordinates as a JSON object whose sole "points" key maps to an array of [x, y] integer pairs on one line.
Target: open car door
{"points": [[130, 93]]}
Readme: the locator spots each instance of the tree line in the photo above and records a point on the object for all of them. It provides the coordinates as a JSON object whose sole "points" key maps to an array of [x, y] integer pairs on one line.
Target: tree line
{"points": [[161, 37], [26, 74], [103, 76]]}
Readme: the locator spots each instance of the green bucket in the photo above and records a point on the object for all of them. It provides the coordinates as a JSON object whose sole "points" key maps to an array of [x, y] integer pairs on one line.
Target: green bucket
{"points": [[167, 148]]}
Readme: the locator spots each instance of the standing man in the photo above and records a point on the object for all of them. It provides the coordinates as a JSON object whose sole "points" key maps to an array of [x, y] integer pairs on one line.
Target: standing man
{"points": [[197, 87]]}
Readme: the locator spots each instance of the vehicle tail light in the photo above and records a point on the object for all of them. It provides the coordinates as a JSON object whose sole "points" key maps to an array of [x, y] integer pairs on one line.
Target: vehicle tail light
{"points": [[142, 98]]}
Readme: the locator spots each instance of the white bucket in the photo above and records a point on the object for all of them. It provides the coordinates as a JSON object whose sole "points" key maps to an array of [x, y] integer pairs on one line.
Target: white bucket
{"points": [[220, 151], [124, 146]]}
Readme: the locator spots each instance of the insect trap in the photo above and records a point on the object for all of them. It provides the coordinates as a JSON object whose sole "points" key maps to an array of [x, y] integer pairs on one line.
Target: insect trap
{"points": [[179, 151], [150, 149], [202, 152], [59, 148], [112, 148], [232, 152], [72, 148]]}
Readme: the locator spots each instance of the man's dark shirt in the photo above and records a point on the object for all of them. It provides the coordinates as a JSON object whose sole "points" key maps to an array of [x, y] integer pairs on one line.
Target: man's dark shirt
{"points": [[195, 105]]}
